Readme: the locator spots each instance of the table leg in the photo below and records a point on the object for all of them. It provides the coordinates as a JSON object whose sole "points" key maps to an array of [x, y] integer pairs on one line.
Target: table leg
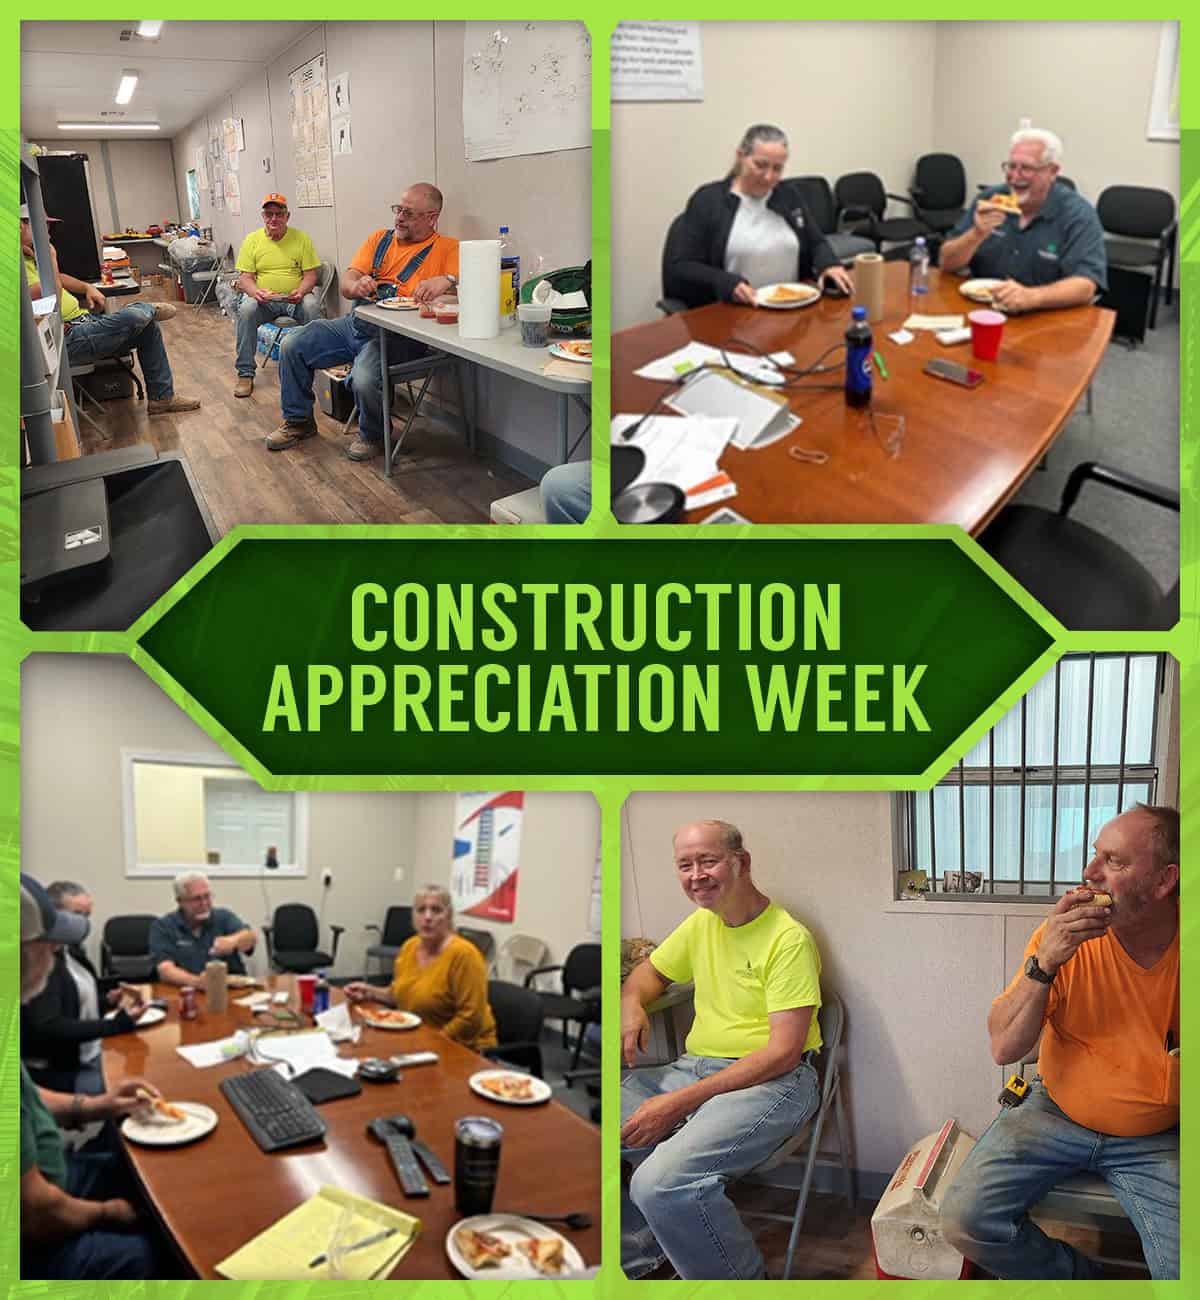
{"points": [[386, 398], [465, 371], [564, 411]]}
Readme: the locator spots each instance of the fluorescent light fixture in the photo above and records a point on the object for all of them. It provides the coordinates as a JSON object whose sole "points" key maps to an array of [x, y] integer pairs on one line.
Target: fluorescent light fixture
{"points": [[149, 29], [129, 81], [109, 126]]}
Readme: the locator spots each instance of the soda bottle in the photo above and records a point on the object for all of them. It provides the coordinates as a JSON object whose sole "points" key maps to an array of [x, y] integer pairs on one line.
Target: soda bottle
{"points": [[320, 994], [858, 359], [510, 278], [918, 276]]}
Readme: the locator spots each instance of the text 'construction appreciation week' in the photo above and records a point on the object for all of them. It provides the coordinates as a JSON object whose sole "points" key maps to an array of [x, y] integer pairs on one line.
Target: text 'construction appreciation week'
{"points": [[576, 657]]}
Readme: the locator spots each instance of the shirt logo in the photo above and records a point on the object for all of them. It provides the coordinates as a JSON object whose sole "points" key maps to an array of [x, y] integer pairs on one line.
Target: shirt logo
{"points": [[798, 218], [1050, 254]]}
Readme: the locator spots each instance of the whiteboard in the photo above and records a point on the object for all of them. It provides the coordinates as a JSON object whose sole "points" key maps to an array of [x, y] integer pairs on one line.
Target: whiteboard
{"points": [[527, 88]]}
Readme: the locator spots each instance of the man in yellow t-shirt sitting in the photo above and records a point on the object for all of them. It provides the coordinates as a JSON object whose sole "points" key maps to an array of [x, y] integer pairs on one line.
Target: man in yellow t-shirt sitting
{"points": [[746, 1082], [279, 273], [1100, 987]]}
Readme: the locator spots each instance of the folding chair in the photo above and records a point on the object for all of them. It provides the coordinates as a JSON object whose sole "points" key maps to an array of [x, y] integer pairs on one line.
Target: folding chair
{"points": [[324, 280]]}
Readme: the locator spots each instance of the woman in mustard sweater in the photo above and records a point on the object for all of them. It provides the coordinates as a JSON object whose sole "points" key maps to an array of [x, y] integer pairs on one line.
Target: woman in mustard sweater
{"points": [[438, 975]]}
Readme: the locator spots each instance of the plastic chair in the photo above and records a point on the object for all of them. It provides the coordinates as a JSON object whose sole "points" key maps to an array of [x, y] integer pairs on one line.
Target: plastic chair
{"points": [[520, 954], [1143, 219], [519, 1016], [125, 947], [292, 940], [397, 930], [580, 996], [939, 191], [861, 198]]}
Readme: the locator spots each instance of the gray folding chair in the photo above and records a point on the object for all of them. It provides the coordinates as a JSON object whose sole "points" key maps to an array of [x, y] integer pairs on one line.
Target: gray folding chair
{"points": [[324, 279]]}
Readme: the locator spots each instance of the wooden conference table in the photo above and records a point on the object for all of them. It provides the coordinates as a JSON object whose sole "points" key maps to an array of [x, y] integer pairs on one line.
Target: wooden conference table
{"points": [[505, 354], [214, 1195], [965, 452]]}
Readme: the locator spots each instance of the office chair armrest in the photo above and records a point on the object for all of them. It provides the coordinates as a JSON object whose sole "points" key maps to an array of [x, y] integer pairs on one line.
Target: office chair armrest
{"points": [[856, 214], [267, 933], [1115, 478], [539, 970], [338, 931], [900, 198], [105, 959], [670, 306]]}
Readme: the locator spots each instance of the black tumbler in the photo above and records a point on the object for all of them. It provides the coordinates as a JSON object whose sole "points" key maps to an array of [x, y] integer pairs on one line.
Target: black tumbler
{"points": [[476, 1163]]}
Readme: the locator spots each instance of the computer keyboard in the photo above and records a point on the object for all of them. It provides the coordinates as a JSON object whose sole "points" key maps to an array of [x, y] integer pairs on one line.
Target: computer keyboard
{"points": [[275, 1111]]}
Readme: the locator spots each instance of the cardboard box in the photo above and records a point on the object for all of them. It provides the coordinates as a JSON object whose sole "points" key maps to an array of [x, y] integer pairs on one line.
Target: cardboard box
{"points": [[66, 436]]}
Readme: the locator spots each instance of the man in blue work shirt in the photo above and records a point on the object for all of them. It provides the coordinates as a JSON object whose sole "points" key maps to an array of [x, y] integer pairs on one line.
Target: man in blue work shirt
{"points": [[183, 942], [1051, 253]]}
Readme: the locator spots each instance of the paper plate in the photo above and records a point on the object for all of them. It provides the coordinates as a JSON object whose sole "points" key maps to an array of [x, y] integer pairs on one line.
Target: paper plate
{"points": [[573, 350], [539, 1089], [399, 304], [510, 1228], [394, 1019], [979, 290], [151, 1016], [766, 296], [164, 1133]]}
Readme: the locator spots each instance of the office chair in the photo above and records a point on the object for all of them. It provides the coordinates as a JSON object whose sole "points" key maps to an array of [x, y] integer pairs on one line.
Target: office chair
{"points": [[519, 1016], [484, 940], [292, 940], [1143, 219], [580, 996], [818, 199], [125, 948], [861, 199], [397, 930], [671, 302], [939, 191], [1087, 581]]}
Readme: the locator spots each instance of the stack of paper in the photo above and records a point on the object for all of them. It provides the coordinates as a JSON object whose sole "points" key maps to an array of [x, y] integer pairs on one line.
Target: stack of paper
{"points": [[325, 1225], [762, 370], [683, 451]]}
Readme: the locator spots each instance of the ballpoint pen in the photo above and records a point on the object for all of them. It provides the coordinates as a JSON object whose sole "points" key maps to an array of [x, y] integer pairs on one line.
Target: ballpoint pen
{"points": [[372, 1240]]}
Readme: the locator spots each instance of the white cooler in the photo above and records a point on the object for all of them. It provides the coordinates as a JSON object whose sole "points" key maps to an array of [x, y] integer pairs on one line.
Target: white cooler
{"points": [[906, 1225]]}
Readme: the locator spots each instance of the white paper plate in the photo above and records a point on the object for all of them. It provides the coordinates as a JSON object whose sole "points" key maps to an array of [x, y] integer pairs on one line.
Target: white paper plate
{"points": [[564, 352], [399, 304], [403, 1019], [163, 1133], [151, 1016], [979, 290], [762, 297], [510, 1228], [541, 1089]]}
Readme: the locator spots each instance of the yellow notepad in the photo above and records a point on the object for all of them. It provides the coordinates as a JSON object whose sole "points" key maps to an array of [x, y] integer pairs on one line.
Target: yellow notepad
{"points": [[282, 1253]]}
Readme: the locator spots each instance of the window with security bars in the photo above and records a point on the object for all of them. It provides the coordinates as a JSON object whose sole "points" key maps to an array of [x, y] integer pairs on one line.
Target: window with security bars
{"points": [[1016, 818]]}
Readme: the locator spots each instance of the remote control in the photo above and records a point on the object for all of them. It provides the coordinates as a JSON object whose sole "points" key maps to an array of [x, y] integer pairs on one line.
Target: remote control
{"points": [[415, 1058], [412, 1180], [437, 1170]]}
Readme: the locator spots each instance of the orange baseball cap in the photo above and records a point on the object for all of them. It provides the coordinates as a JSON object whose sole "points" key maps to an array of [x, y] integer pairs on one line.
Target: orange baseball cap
{"points": [[275, 198]]}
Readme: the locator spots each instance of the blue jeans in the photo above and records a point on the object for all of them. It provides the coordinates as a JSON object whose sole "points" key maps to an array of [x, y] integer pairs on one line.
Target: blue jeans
{"points": [[99, 1253], [1022, 1155], [675, 1206], [252, 314], [98, 338], [333, 343], [567, 493]]}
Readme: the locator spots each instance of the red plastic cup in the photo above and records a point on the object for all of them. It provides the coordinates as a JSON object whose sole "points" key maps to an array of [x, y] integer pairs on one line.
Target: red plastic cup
{"points": [[986, 330], [306, 984]]}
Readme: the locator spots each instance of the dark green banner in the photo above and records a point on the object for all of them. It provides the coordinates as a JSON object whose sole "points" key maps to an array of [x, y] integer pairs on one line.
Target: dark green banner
{"points": [[396, 657]]}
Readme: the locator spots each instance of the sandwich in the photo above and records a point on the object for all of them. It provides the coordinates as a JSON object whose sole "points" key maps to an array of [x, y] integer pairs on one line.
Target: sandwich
{"points": [[481, 1249], [544, 1253], [1008, 201]]}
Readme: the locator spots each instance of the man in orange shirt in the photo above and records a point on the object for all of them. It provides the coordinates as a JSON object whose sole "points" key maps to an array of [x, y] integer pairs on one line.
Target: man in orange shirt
{"points": [[410, 259], [1100, 985]]}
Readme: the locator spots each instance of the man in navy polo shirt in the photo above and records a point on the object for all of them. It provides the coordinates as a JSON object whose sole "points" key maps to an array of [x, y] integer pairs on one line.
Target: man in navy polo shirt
{"points": [[183, 942], [1052, 254]]}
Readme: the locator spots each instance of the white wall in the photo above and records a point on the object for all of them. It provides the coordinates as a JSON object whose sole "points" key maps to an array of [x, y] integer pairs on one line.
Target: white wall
{"points": [[79, 711]]}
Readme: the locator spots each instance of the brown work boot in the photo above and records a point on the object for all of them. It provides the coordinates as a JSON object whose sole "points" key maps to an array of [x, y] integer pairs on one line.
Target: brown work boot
{"points": [[164, 310], [291, 432], [362, 449], [244, 386], [171, 405]]}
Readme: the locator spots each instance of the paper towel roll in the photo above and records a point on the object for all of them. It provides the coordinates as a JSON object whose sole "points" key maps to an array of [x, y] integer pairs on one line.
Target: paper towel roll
{"points": [[216, 986], [868, 284], [479, 289]]}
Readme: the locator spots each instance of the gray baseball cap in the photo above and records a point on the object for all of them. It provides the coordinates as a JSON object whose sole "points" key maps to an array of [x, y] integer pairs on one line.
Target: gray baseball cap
{"points": [[40, 919]]}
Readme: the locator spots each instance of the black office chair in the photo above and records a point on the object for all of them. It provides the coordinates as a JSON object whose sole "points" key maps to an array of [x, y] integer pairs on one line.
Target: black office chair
{"points": [[396, 932], [862, 200], [484, 940], [292, 939], [125, 948], [1087, 581], [818, 199], [1143, 219], [579, 999], [670, 303], [939, 191], [519, 1016]]}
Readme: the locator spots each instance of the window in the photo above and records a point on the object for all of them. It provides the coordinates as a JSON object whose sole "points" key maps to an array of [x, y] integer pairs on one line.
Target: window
{"points": [[1016, 818]]}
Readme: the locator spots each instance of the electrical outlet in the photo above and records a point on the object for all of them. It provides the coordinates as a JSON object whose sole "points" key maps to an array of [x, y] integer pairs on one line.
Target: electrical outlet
{"points": [[326, 878], [398, 875]]}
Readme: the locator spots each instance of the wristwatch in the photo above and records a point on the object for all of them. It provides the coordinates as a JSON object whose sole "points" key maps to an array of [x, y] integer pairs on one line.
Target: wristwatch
{"points": [[1035, 972], [453, 280]]}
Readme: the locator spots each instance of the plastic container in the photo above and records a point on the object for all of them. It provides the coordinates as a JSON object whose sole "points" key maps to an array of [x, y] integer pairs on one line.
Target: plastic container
{"points": [[447, 313], [918, 276], [510, 279], [858, 359], [428, 310], [535, 323]]}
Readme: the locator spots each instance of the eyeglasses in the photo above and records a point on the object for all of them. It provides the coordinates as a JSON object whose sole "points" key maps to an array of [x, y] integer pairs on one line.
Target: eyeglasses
{"points": [[399, 210], [1023, 169]]}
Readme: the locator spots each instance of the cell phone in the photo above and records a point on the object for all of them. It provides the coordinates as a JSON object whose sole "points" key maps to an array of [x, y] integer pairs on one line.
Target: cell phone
{"points": [[955, 373]]}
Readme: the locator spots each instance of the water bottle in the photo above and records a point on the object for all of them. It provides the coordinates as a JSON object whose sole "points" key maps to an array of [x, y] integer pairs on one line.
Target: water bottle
{"points": [[510, 278], [858, 359], [320, 994], [918, 276]]}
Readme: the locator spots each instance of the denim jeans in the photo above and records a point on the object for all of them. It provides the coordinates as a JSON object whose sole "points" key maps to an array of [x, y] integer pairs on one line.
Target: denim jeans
{"points": [[97, 338], [675, 1206], [333, 343], [567, 493], [252, 314], [1022, 1155]]}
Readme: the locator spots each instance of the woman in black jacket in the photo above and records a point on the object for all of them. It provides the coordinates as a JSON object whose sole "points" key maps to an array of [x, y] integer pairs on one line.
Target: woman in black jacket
{"points": [[62, 1026], [746, 231]]}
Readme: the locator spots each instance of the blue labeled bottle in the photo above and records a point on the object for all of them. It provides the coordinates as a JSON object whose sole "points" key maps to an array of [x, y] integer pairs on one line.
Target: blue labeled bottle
{"points": [[321, 994], [858, 359]]}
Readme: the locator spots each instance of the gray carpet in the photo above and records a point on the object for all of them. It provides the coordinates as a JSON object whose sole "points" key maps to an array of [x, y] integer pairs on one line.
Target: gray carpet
{"points": [[1135, 427]]}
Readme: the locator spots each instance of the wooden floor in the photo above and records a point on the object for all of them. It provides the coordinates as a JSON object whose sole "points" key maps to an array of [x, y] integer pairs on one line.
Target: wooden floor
{"points": [[435, 480]]}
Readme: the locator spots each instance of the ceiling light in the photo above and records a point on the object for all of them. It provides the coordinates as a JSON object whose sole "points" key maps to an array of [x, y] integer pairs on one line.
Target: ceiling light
{"points": [[149, 28], [129, 81], [109, 126]]}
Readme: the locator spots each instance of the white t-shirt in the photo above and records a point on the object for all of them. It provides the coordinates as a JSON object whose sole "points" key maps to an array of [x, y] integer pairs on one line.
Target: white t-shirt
{"points": [[89, 1007], [762, 248]]}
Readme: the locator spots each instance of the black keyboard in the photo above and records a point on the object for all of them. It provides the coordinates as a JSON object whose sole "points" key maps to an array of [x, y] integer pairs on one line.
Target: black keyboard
{"points": [[275, 1111]]}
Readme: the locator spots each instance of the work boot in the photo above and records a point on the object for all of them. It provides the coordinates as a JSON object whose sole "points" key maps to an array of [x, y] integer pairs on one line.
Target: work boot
{"points": [[244, 386], [362, 449], [171, 405], [164, 310], [291, 432]]}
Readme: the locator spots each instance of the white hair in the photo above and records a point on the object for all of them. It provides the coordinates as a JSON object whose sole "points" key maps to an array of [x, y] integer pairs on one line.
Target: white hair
{"points": [[1052, 145], [186, 878]]}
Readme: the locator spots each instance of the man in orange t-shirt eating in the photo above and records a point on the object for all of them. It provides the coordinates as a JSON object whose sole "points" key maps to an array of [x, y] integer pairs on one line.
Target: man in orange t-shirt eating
{"points": [[410, 259], [1100, 985]]}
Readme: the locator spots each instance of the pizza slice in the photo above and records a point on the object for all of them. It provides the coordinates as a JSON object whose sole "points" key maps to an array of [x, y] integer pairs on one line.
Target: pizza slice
{"points": [[1007, 200], [160, 1109], [544, 1253], [481, 1249]]}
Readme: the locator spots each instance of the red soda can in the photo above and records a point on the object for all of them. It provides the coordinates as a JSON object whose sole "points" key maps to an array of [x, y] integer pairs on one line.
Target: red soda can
{"points": [[187, 1003]]}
